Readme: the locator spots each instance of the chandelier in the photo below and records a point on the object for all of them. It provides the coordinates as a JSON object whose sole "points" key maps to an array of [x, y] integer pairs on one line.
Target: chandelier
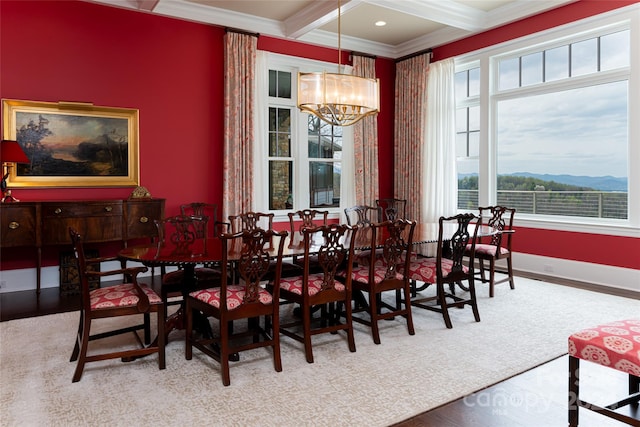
{"points": [[338, 99]]}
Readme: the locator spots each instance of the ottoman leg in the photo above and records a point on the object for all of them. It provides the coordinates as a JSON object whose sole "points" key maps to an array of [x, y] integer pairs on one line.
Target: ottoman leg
{"points": [[574, 386], [634, 385]]}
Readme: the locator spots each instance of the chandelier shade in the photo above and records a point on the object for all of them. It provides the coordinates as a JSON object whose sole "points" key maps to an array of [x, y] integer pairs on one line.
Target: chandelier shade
{"points": [[338, 99]]}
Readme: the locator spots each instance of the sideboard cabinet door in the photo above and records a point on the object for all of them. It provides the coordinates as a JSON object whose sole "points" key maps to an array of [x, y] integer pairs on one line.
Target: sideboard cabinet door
{"points": [[140, 216], [20, 223]]}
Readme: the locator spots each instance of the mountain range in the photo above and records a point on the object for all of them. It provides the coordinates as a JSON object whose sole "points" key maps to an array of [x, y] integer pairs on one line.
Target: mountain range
{"points": [[601, 183]]}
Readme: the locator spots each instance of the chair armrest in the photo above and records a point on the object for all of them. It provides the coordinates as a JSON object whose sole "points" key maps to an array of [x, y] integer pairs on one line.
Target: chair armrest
{"points": [[101, 259], [131, 272]]}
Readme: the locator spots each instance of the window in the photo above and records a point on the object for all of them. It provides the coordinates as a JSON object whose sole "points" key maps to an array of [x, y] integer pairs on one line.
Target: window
{"points": [[467, 89], [303, 155], [548, 131]]}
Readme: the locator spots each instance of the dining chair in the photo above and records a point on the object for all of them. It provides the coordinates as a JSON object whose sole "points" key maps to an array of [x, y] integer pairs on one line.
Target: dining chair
{"points": [[187, 230], [248, 221], [497, 246], [124, 299], [307, 218], [331, 247], [251, 221], [250, 252], [452, 265], [209, 210], [392, 208], [385, 271], [363, 215]]}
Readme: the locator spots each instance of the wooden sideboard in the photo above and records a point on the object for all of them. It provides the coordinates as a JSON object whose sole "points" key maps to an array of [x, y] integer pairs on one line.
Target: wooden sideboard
{"points": [[46, 223]]}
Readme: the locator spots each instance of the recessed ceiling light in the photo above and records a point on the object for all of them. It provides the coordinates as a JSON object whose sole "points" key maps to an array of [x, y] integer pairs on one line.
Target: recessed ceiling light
{"points": [[380, 23]]}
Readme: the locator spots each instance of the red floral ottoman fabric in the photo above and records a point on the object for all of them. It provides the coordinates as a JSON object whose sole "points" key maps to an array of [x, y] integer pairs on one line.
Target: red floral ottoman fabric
{"points": [[615, 345]]}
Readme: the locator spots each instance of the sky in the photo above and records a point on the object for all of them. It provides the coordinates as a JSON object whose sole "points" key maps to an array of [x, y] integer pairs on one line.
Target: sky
{"points": [[576, 132], [561, 109]]}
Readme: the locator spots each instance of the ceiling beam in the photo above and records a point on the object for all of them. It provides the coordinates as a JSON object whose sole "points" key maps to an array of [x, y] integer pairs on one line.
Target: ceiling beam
{"points": [[315, 16]]}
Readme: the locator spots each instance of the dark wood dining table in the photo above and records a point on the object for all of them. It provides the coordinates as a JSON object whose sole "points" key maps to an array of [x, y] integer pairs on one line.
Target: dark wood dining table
{"points": [[209, 251]]}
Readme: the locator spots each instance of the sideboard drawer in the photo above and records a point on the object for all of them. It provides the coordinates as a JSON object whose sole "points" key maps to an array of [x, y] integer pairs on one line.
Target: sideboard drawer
{"points": [[81, 209], [19, 224], [95, 221]]}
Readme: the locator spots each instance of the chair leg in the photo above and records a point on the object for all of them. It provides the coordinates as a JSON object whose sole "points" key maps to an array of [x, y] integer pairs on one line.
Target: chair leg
{"points": [[147, 328], [510, 272], [306, 326], [224, 352], [349, 320], [277, 359], [161, 338], [188, 342], [492, 277], [442, 300], [84, 345], [407, 306], [574, 388], [76, 347], [373, 313], [474, 302]]}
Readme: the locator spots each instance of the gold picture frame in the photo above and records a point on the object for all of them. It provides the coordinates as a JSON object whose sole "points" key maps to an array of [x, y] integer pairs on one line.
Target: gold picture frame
{"points": [[72, 144]]}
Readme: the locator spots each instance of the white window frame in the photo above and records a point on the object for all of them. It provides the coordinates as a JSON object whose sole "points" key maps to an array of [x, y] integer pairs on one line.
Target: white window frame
{"points": [[624, 18], [299, 135]]}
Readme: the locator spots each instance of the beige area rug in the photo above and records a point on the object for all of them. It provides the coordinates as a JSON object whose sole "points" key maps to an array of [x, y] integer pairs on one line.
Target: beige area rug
{"points": [[376, 386]]}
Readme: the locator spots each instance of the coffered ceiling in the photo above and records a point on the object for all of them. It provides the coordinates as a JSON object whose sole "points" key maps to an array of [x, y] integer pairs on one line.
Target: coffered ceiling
{"points": [[411, 25]]}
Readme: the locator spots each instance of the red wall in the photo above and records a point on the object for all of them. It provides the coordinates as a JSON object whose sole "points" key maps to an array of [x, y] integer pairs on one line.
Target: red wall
{"points": [[172, 71]]}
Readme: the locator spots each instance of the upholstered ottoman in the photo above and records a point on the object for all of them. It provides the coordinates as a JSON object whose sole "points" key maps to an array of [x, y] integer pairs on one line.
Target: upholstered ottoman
{"points": [[615, 345]]}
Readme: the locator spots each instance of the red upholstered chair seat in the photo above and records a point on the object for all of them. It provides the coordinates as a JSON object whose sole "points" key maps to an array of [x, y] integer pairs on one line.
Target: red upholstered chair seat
{"points": [[235, 295], [361, 273], [294, 284], [424, 269], [615, 345], [484, 249], [120, 296]]}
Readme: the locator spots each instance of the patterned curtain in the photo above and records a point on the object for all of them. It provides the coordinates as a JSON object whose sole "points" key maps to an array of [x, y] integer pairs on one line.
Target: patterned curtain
{"points": [[239, 92], [365, 136], [409, 135]]}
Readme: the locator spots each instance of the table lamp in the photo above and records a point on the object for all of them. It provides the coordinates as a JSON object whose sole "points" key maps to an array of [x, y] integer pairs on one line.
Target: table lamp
{"points": [[10, 152]]}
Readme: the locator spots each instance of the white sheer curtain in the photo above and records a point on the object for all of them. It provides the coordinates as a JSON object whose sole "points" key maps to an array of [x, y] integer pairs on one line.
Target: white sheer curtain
{"points": [[260, 106], [440, 186]]}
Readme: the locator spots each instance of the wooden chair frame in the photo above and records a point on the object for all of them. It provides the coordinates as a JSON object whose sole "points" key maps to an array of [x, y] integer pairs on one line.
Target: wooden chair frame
{"points": [[253, 265], [334, 256], [501, 219], [460, 249], [88, 314], [393, 257]]}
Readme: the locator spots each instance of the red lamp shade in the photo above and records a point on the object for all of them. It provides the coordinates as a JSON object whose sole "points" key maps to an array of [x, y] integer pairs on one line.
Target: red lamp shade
{"points": [[11, 152]]}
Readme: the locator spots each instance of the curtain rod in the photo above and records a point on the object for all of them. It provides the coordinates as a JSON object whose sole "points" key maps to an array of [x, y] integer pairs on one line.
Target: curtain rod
{"points": [[413, 55], [235, 30], [366, 55]]}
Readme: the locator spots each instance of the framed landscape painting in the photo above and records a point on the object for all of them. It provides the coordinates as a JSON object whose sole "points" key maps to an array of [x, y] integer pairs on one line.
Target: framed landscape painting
{"points": [[71, 144]]}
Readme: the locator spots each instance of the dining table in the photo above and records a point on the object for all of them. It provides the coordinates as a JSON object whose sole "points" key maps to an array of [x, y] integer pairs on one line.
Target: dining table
{"points": [[208, 251]]}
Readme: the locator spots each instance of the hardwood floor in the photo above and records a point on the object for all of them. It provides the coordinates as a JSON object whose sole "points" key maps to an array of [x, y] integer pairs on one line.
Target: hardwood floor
{"points": [[536, 398]]}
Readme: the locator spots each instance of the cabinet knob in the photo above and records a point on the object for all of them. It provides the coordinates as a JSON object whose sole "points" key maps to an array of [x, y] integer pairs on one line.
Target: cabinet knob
{"points": [[58, 211], [108, 208], [13, 225], [144, 219]]}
